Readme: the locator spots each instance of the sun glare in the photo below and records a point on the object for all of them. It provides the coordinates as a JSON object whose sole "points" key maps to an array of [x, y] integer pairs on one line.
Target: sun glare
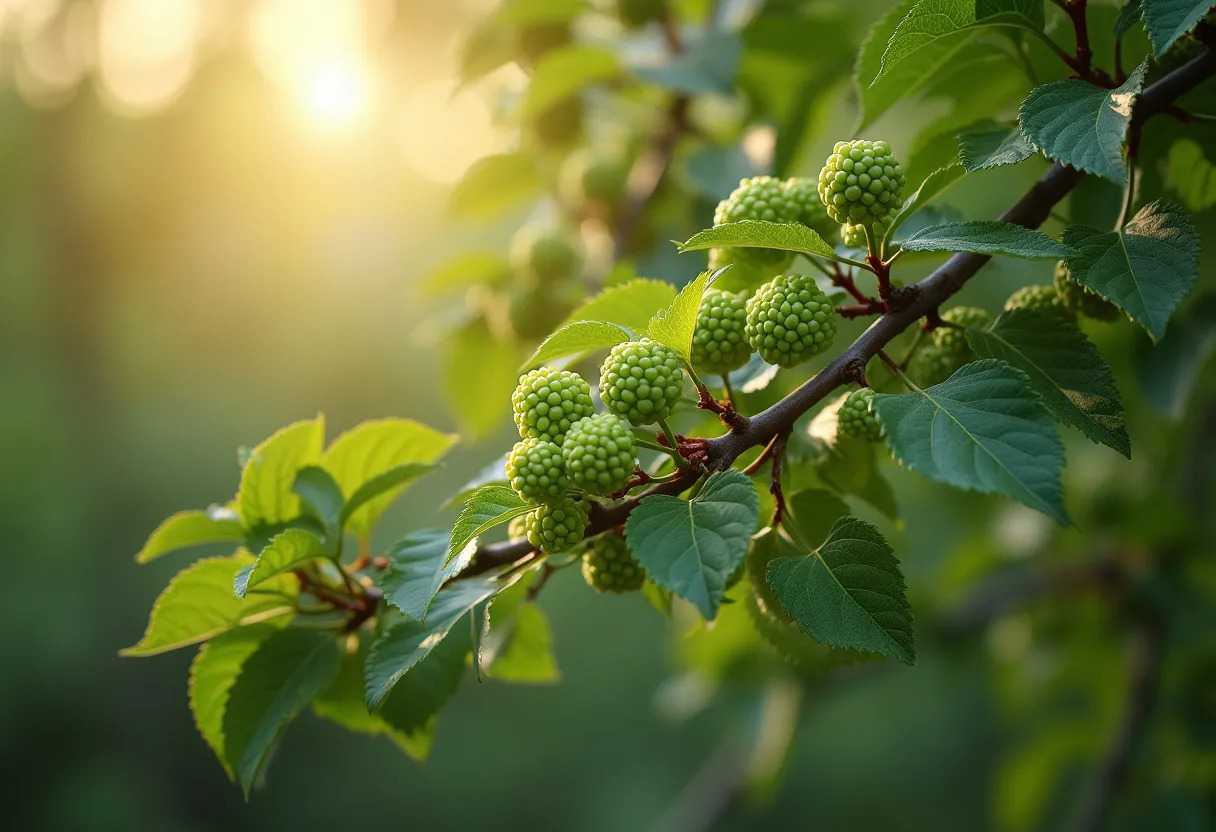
{"points": [[335, 95]]}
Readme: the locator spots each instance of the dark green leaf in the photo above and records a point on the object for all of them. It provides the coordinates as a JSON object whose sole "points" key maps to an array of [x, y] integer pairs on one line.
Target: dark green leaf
{"points": [[191, 528], [418, 696], [692, 546], [490, 506], [322, 498], [265, 496], [815, 511], [286, 551], [934, 185], [1128, 17], [417, 571], [987, 237], [1168, 20], [983, 149]]}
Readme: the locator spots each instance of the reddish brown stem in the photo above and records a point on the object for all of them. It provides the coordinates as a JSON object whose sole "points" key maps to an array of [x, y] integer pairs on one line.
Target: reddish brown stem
{"points": [[861, 310], [774, 488], [730, 417], [845, 281]]}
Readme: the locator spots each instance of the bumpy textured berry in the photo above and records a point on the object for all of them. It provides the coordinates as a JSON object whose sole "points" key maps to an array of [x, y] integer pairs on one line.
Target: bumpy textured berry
{"points": [[547, 402], [634, 13], [804, 191], [719, 342], [861, 182], [789, 320], [854, 236], [953, 341], [856, 416], [545, 256], [536, 471], [556, 526], [641, 381], [599, 453], [1076, 298], [760, 198], [1034, 297], [931, 365], [609, 565]]}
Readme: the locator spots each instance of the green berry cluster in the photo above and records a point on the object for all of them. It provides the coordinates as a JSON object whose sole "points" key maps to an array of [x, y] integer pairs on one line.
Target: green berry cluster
{"points": [[599, 454], [1034, 297], [854, 235], [760, 198], [609, 565], [547, 402], [953, 341], [719, 342], [641, 381], [856, 417], [789, 320], [811, 213], [536, 470], [861, 182], [931, 365], [1076, 298], [556, 526]]}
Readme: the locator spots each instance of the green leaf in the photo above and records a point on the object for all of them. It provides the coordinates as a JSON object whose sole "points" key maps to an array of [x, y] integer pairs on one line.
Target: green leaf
{"points": [[198, 604], [674, 325], [629, 305], [288, 669], [479, 373], [815, 511], [1081, 125], [790, 236], [493, 185], [983, 429], [419, 695], [417, 571], [1168, 20], [692, 546], [983, 149], [407, 643], [564, 73], [1146, 269], [1169, 370], [372, 449], [577, 338], [1065, 368], [1129, 16], [490, 506], [930, 21], [191, 528], [522, 648], [462, 271], [987, 237], [212, 675], [1192, 175], [286, 551], [265, 496], [849, 592], [322, 497], [382, 484], [934, 185]]}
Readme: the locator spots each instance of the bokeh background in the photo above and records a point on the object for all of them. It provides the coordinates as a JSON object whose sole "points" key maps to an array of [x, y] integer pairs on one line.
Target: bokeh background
{"points": [[213, 218]]}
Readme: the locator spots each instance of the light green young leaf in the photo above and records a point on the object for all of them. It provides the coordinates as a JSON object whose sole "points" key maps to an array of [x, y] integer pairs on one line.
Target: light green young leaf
{"points": [[286, 551], [674, 325], [630, 305], [576, 339], [278, 681], [1146, 269], [407, 643], [1081, 125], [935, 185], [191, 528], [265, 496], [212, 675], [522, 648], [692, 546], [983, 149], [493, 185], [199, 604], [322, 498], [790, 236], [490, 506], [983, 429], [1065, 368], [1192, 175], [930, 21], [564, 73], [479, 373], [372, 449], [382, 484], [849, 592], [1168, 20], [416, 571], [987, 237]]}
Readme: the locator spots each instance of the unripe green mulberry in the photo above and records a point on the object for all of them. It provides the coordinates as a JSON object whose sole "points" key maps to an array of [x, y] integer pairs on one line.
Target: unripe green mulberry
{"points": [[546, 256], [719, 342], [1034, 297], [789, 320], [953, 341], [609, 565], [805, 193], [547, 402], [760, 198], [861, 182], [1077, 298], [599, 454], [556, 526], [856, 416], [536, 471], [641, 381], [931, 365], [854, 236]]}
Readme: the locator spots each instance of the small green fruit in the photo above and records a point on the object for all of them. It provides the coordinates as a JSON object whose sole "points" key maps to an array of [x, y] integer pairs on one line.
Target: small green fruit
{"points": [[1077, 298], [760, 198], [1034, 297], [857, 418], [556, 526], [719, 342], [599, 454], [790, 320], [953, 341], [547, 402], [641, 381], [535, 470], [609, 565], [861, 182]]}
